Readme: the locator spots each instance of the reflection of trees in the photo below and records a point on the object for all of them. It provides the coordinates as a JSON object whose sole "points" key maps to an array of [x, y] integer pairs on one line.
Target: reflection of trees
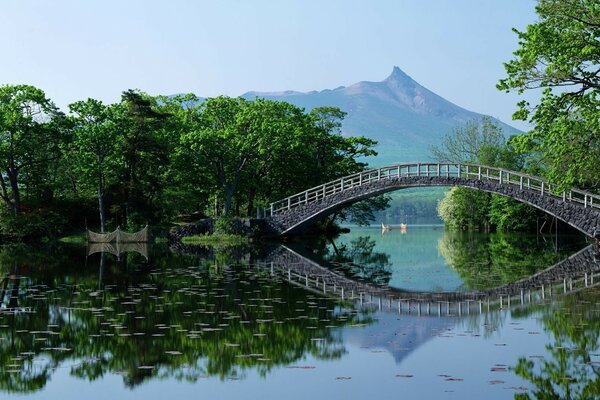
{"points": [[568, 372], [485, 261], [156, 320], [358, 259]]}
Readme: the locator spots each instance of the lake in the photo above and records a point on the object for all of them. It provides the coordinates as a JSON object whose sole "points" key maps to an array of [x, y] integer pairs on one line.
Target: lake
{"points": [[151, 322]]}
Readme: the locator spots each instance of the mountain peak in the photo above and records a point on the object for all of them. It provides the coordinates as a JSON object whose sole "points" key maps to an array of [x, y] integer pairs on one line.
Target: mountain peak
{"points": [[398, 75]]}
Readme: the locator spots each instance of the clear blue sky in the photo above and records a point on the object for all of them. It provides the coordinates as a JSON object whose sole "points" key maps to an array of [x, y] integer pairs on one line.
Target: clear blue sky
{"points": [[98, 48]]}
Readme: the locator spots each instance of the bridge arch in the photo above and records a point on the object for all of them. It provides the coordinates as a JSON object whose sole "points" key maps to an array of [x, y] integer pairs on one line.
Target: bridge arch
{"points": [[296, 213]]}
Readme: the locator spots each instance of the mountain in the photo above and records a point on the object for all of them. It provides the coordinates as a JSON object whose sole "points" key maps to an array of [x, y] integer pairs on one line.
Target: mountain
{"points": [[403, 116]]}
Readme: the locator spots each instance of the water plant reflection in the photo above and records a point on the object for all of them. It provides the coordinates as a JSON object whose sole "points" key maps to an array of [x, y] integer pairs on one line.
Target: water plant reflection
{"points": [[176, 316], [359, 259], [485, 261], [571, 369]]}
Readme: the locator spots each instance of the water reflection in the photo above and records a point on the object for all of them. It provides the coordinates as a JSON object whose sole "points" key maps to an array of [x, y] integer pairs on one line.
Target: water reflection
{"points": [[118, 248], [436, 260], [231, 315], [358, 259], [571, 368], [174, 317]]}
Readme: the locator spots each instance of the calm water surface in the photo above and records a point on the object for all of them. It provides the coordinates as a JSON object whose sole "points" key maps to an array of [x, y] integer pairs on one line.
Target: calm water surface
{"points": [[429, 258], [220, 325]]}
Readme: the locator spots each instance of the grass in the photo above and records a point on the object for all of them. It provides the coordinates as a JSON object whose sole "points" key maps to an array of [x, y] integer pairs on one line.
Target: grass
{"points": [[216, 240], [73, 239]]}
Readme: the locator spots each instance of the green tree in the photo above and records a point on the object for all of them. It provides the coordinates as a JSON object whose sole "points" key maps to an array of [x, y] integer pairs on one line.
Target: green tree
{"points": [[94, 147], [464, 209], [145, 146], [338, 156], [282, 153], [30, 136], [191, 187], [220, 142], [255, 151], [474, 142], [470, 142], [482, 142], [560, 54]]}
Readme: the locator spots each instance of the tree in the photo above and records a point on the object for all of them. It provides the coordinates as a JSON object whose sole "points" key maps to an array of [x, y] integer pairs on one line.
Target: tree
{"points": [[94, 147], [220, 142], [474, 142], [257, 151], [145, 147], [30, 135], [465, 209], [482, 142], [282, 160], [468, 143], [560, 54], [359, 260]]}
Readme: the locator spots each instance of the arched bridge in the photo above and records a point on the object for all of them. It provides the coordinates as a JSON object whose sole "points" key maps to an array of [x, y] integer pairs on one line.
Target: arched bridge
{"points": [[294, 214]]}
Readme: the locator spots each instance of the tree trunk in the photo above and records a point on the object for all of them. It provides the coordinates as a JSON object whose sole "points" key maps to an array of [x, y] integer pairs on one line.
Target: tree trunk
{"points": [[16, 205], [251, 197], [101, 272], [13, 302], [229, 190], [101, 203]]}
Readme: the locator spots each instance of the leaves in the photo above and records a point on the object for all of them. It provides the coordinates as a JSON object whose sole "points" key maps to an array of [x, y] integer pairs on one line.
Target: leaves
{"points": [[30, 135], [561, 55]]}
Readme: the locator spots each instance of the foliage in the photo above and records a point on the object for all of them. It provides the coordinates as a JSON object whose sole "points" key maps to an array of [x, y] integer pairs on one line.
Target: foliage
{"points": [[248, 152], [145, 147], [148, 159], [74, 239], [94, 152], [483, 143], [470, 142], [465, 209], [507, 214], [358, 259], [412, 206], [33, 225], [30, 135], [218, 240], [560, 54], [363, 212], [225, 225]]}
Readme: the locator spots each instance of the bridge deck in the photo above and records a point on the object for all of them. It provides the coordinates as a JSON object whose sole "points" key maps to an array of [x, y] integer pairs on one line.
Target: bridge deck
{"points": [[293, 214]]}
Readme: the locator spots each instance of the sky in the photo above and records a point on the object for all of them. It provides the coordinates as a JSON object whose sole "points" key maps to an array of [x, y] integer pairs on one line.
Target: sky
{"points": [[98, 48]]}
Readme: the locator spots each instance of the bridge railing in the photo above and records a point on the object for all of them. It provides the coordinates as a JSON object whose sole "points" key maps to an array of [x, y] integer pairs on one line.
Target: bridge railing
{"points": [[446, 170]]}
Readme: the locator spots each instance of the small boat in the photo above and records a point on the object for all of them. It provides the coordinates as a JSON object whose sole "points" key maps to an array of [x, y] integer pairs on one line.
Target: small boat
{"points": [[385, 228]]}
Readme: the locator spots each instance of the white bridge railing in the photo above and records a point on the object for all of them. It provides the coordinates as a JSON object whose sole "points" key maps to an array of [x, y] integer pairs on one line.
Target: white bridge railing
{"points": [[445, 170]]}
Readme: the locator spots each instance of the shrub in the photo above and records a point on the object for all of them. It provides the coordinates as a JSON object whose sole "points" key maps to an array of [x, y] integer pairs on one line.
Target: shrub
{"points": [[33, 225], [225, 224]]}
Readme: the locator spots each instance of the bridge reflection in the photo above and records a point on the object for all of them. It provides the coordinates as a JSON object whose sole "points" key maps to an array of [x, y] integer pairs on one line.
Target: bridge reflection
{"points": [[579, 271]]}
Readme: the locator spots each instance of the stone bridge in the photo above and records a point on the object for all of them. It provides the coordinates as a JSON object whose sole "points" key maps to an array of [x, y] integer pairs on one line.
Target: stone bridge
{"points": [[294, 214]]}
